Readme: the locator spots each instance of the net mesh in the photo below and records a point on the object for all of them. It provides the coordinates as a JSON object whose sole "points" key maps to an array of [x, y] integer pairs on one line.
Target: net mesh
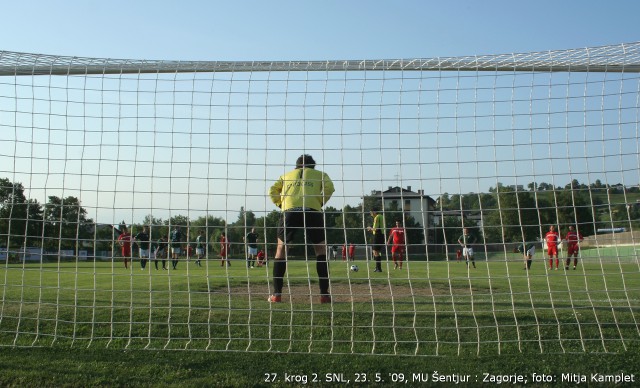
{"points": [[505, 146]]}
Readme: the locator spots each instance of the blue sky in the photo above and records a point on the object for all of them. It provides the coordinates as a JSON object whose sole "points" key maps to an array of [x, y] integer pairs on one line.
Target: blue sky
{"points": [[436, 155], [331, 29]]}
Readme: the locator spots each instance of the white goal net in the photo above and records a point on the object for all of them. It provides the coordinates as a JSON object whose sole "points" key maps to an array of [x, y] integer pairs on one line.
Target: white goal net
{"points": [[103, 161]]}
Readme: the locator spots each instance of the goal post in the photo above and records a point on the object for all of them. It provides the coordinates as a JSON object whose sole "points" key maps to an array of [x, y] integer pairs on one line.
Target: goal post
{"points": [[506, 147]]}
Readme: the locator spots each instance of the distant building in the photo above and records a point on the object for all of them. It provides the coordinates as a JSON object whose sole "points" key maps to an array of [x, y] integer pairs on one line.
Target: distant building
{"points": [[414, 204]]}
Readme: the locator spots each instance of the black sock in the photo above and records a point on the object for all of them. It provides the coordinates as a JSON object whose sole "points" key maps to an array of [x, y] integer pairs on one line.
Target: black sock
{"points": [[322, 267], [279, 269]]}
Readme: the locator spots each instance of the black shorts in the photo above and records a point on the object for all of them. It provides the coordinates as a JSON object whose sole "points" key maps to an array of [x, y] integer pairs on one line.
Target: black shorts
{"points": [[309, 220], [379, 241]]}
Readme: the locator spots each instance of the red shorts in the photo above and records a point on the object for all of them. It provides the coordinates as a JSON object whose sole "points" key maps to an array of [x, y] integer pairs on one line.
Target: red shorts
{"points": [[397, 249], [573, 249], [552, 250], [126, 252]]}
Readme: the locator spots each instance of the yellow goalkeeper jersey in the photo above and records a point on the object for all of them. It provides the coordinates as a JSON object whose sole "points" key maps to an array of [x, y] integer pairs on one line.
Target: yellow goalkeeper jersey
{"points": [[378, 224], [302, 188]]}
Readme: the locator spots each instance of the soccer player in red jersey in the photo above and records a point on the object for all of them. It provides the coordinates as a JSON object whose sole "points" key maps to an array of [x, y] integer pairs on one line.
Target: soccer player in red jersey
{"points": [[552, 238], [224, 250], [352, 252], [573, 239], [124, 240], [398, 235], [261, 258]]}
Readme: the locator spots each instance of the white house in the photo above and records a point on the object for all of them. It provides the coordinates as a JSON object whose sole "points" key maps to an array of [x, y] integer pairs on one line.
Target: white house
{"points": [[415, 204]]}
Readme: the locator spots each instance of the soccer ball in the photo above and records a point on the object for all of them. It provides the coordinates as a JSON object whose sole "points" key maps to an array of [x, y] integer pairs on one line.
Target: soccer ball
{"points": [[354, 268]]}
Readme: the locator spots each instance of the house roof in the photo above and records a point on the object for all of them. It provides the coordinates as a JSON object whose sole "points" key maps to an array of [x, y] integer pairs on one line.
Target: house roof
{"points": [[401, 193]]}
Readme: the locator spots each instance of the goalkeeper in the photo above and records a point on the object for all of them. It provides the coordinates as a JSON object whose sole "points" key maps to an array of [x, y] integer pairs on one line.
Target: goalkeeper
{"points": [[300, 194]]}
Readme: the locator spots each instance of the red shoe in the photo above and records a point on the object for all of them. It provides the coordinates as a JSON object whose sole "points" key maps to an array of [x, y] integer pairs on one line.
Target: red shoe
{"points": [[324, 299], [275, 299]]}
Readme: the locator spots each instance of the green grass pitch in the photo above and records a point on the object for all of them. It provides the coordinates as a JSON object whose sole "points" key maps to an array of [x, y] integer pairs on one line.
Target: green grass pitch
{"points": [[436, 310]]}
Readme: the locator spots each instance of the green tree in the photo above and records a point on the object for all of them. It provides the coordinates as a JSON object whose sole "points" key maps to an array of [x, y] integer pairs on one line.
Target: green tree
{"points": [[575, 185], [350, 225], [545, 186], [67, 226], [516, 219], [213, 227], [574, 208], [20, 219], [455, 202], [626, 216], [448, 230], [333, 223], [104, 238], [239, 229], [442, 203], [487, 201], [178, 220], [270, 223], [246, 219], [157, 227], [208, 222], [35, 223]]}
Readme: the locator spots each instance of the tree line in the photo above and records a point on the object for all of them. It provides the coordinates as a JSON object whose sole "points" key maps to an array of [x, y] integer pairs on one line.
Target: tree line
{"points": [[511, 214], [505, 214], [62, 224]]}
